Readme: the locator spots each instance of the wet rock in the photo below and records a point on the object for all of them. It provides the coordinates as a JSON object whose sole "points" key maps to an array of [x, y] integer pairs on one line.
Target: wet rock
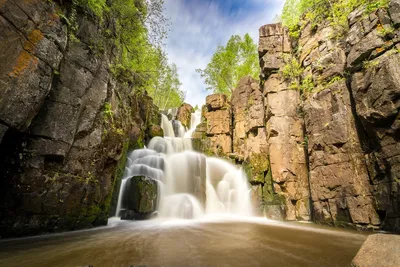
{"points": [[274, 212], [378, 250], [127, 214], [57, 121], [23, 70], [140, 195], [155, 130], [184, 115]]}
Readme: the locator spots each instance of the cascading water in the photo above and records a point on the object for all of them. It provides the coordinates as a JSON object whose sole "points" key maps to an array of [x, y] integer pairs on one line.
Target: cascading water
{"points": [[190, 185]]}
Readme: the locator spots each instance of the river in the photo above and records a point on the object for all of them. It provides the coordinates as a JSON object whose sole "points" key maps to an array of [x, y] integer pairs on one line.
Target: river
{"points": [[206, 242]]}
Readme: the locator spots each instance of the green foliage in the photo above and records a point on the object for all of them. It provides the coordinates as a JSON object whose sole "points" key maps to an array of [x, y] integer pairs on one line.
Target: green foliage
{"points": [[292, 71], [335, 12], [230, 63], [108, 113], [307, 85], [138, 28], [385, 31], [165, 91], [292, 68], [334, 80], [370, 64], [98, 7]]}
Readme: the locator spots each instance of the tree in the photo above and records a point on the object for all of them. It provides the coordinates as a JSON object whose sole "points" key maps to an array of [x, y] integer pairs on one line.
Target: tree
{"points": [[166, 90], [230, 63]]}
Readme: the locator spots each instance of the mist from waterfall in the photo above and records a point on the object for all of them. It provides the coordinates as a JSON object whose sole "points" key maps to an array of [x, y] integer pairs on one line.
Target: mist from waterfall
{"points": [[190, 185]]}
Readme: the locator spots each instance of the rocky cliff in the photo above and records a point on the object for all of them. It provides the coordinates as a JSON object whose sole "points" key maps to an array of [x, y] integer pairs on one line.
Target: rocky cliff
{"points": [[66, 123], [319, 134]]}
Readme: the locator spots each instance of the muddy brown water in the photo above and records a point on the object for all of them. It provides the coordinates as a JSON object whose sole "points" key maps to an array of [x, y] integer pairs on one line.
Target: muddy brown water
{"points": [[202, 243]]}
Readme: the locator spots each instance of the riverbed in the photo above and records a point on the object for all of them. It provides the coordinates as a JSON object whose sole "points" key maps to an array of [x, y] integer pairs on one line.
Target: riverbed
{"points": [[206, 242]]}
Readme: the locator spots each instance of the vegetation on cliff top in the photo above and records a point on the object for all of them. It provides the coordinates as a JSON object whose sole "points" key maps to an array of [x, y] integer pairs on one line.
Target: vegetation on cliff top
{"points": [[138, 28], [230, 63], [316, 11]]}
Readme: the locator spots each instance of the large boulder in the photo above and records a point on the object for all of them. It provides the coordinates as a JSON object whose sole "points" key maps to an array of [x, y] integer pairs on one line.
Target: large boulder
{"points": [[379, 250], [140, 195], [184, 114]]}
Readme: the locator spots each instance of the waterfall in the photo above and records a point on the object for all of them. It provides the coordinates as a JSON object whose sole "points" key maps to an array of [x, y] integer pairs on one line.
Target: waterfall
{"points": [[189, 184], [195, 120]]}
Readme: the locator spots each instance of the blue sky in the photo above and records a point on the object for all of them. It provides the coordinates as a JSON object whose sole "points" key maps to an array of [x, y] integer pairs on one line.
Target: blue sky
{"points": [[199, 26]]}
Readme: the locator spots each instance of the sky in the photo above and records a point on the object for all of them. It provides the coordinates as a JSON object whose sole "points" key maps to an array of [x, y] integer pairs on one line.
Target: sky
{"points": [[199, 26]]}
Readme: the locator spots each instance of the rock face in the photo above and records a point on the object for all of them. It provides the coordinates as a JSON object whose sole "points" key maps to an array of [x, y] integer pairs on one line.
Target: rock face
{"points": [[339, 180], [340, 190], [184, 114], [375, 87], [379, 250], [65, 123], [323, 145], [285, 131], [250, 140], [274, 44], [218, 125]]}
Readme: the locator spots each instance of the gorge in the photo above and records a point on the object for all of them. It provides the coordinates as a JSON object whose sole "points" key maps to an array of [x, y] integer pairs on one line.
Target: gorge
{"points": [[298, 168]]}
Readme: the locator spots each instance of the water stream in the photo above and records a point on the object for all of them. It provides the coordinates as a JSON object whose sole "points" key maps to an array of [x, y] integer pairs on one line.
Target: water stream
{"points": [[190, 185], [226, 242]]}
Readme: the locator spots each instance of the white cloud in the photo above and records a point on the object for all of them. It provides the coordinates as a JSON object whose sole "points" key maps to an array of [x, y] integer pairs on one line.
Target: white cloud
{"points": [[199, 27]]}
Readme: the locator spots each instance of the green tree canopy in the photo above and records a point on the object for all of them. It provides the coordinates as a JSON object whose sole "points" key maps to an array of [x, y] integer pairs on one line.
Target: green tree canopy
{"points": [[316, 11], [166, 91], [230, 63]]}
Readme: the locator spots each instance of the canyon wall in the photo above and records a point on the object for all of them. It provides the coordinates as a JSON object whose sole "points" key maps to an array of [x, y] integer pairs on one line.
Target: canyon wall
{"points": [[66, 123], [319, 135]]}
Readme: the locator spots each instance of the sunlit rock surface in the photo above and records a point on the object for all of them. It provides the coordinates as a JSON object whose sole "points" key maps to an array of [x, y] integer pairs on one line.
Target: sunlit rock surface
{"points": [[379, 250]]}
